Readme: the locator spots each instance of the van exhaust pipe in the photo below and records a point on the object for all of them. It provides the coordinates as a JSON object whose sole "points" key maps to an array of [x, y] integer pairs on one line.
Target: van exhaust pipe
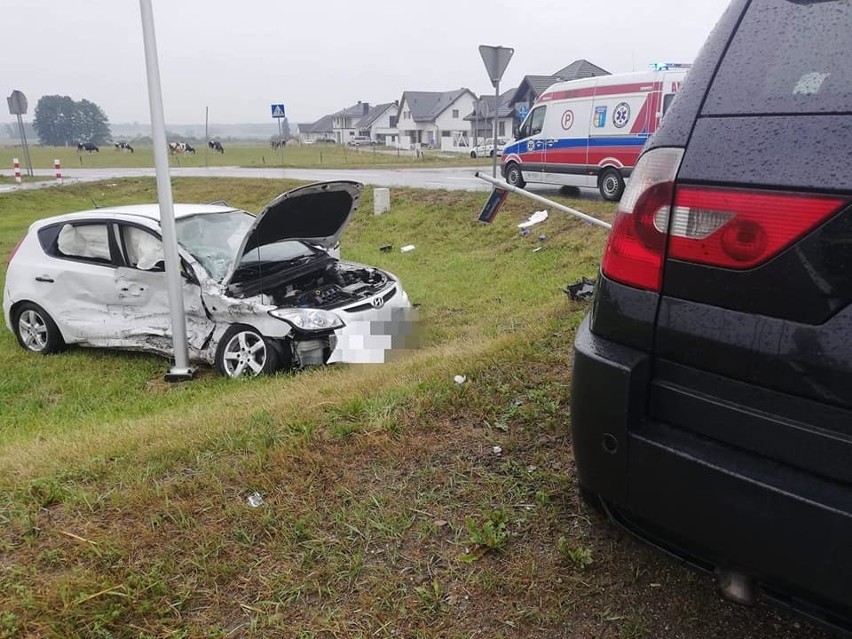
{"points": [[736, 586]]}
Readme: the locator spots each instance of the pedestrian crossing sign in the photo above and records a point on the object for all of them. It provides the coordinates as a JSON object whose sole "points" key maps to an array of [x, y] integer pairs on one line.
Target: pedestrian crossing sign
{"points": [[278, 111]]}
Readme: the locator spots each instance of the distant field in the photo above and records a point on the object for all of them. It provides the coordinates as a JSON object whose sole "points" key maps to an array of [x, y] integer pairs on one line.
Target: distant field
{"points": [[258, 155]]}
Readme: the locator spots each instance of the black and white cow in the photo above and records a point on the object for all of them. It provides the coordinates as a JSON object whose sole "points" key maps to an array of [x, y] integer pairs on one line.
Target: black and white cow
{"points": [[123, 146], [180, 147], [88, 146], [278, 143], [216, 146]]}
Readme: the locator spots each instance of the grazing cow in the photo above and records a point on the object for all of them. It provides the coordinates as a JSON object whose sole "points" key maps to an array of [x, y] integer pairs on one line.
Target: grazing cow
{"points": [[87, 146], [177, 147], [278, 144], [216, 146], [123, 146], [188, 148]]}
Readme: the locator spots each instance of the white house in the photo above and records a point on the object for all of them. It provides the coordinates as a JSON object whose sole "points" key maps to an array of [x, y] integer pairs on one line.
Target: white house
{"points": [[344, 123], [313, 131], [435, 119], [380, 124]]}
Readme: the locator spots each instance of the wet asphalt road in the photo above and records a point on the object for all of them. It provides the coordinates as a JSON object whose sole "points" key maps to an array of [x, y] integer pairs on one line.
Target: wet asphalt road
{"points": [[452, 179]]}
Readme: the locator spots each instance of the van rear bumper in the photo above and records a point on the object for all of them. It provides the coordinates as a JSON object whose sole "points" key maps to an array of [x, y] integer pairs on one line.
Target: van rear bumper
{"points": [[709, 503]]}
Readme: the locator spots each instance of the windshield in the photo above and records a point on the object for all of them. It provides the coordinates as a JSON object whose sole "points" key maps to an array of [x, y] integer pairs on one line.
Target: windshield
{"points": [[214, 238]]}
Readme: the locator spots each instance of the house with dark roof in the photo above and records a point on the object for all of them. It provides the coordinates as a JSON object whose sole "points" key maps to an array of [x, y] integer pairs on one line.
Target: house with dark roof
{"points": [[533, 86], [379, 123], [344, 123], [313, 131], [435, 119], [481, 119]]}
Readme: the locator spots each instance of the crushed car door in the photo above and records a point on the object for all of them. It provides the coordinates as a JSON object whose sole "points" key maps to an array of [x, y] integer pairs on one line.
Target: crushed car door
{"points": [[143, 305]]}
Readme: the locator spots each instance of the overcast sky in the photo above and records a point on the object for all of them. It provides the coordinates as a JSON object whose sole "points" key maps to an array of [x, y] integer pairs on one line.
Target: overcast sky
{"points": [[318, 57]]}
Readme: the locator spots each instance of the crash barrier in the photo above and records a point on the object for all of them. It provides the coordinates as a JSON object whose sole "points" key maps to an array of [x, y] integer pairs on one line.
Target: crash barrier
{"points": [[58, 167], [17, 166], [381, 201], [500, 184]]}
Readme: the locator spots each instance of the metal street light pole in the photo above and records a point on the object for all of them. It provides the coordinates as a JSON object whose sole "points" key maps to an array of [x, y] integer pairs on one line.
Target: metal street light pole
{"points": [[181, 370]]}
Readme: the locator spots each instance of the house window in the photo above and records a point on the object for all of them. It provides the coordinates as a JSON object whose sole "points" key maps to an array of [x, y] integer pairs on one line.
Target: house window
{"points": [[446, 134], [501, 128], [455, 114], [406, 115]]}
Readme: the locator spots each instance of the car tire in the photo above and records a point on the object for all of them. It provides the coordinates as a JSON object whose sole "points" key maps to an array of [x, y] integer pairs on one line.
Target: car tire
{"points": [[35, 329], [611, 184], [514, 176], [491, 154], [244, 352], [473, 155]]}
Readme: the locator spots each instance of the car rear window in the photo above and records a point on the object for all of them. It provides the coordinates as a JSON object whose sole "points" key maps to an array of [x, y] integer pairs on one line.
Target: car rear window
{"points": [[787, 57]]}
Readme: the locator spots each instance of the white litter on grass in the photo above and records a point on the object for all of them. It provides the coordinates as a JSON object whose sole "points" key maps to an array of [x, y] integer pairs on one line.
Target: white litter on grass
{"points": [[497, 450], [459, 379], [535, 218], [407, 248], [254, 500]]}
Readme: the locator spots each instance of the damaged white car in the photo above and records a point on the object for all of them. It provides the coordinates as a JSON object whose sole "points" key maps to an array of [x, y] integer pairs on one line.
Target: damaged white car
{"points": [[260, 293]]}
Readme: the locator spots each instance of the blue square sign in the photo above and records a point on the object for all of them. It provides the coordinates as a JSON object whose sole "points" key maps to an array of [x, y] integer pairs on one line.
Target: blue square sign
{"points": [[278, 111]]}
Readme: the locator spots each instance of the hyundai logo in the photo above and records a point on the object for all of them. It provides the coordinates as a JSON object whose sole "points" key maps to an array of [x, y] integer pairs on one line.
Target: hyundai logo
{"points": [[377, 302]]}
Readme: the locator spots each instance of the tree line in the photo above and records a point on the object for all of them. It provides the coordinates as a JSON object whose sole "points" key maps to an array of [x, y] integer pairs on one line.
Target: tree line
{"points": [[59, 120]]}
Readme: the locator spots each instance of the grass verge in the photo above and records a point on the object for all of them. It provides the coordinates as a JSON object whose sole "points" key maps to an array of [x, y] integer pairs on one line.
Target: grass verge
{"points": [[350, 501]]}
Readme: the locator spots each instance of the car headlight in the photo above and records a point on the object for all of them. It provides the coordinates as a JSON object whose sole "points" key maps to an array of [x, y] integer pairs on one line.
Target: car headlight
{"points": [[309, 319]]}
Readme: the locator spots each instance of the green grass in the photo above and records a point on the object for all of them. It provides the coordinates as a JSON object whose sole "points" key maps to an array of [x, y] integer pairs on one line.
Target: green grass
{"points": [[396, 503], [245, 155]]}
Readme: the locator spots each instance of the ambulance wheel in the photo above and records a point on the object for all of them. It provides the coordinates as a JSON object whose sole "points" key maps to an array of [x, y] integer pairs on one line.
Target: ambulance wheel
{"points": [[611, 185], [473, 155], [514, 176]]}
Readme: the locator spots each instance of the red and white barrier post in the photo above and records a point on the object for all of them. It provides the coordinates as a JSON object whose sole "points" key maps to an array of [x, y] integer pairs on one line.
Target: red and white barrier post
{"points": [[58, 167], [17, 166]]}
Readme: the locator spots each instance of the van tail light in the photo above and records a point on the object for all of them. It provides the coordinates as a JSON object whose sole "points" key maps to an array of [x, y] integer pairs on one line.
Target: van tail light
{"points": [[739, 228], [637, 242]]}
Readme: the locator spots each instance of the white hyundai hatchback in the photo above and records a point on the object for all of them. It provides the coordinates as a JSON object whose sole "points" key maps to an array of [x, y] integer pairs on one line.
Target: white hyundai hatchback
{"points": [[260, 293]]}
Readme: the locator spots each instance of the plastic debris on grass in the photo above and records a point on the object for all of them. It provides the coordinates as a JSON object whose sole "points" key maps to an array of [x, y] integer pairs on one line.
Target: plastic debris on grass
{"points": [[582, 290], [407, 248], [459, 379], [254, 500], [535, 218]]}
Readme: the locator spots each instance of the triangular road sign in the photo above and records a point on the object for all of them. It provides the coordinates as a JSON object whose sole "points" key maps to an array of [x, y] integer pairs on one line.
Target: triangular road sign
{"points": [[496, 60], [278, 111]]}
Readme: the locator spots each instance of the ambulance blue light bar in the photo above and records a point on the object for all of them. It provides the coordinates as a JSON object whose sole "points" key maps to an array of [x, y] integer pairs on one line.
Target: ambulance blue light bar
{"points": [[668, 66]]}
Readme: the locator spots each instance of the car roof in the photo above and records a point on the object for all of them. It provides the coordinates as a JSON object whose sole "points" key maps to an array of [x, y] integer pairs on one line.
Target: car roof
{"points": [[148, 211]]}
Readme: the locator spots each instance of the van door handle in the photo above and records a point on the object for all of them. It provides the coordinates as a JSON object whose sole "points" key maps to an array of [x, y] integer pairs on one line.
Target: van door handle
{"points": [[44, 278]]}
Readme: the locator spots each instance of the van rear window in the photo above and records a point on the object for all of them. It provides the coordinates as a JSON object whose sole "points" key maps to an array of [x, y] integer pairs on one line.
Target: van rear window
{"points": [[788, 56]]}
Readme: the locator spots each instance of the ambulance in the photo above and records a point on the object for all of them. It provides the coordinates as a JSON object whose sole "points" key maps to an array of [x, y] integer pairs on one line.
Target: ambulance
{"points": [[589, 132]]}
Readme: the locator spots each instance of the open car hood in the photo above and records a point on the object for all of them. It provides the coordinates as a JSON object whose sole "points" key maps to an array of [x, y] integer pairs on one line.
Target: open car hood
{"points": [[316, 214]]}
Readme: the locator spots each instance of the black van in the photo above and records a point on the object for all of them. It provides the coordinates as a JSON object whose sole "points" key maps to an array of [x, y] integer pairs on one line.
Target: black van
{"points": [[712, 383]]}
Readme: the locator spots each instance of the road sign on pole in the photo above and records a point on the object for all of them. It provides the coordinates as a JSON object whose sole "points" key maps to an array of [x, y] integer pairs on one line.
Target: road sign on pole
{"points": [[496, 60], [278, 111], [18, 106]]}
